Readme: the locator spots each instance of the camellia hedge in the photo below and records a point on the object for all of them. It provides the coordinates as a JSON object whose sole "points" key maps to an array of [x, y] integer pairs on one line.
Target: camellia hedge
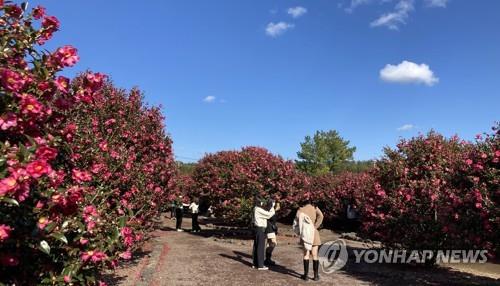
{"points": [[231, 179], [334, 192], [429, 193], [436, 193], [84, 166]]}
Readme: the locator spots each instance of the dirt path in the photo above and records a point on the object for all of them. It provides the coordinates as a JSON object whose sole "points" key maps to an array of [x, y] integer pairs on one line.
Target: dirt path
{"points": [[183, 258]]}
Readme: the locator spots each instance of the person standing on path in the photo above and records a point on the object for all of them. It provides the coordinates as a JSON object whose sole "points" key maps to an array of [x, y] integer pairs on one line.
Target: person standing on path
{"points": [[194, 206], [179, 212], [271, 232], [260, 217], [309, 217]]}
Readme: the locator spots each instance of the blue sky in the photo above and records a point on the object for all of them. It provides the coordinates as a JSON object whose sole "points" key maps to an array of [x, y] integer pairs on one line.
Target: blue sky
{"points": [[262, 72]]}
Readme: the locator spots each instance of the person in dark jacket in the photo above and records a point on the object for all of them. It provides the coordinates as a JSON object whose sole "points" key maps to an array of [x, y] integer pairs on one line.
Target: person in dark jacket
{"points": [[271, 232], [259, 219]]}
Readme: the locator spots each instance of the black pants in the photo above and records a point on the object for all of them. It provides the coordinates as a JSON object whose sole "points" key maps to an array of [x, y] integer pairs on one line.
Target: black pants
{"points": [[259, 246], [194, 222], [178, 218]]}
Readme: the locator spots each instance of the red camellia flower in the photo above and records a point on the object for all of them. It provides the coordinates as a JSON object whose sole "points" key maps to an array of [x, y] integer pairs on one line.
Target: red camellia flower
{"points": [[81, 176], [126, 255], [50, 23], [4, 232], [62, 84], [38, 168], [94, 256], [103, 146], [7, 184], [38, 12], [30, 105], [12, 80], [8, 120], [66, 56], [46, 153], [42, 222]]}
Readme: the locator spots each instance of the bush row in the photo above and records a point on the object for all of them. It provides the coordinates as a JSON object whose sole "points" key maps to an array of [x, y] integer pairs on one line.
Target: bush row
{"points": [[430, 192], [84, 166]]}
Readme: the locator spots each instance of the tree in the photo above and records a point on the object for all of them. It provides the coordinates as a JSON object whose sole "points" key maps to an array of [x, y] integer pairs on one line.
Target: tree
{"points": [[323, 153]]}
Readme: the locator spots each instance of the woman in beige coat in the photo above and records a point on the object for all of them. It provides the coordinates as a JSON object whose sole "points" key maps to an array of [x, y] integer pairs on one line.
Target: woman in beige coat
{"points": [[316, 216]]}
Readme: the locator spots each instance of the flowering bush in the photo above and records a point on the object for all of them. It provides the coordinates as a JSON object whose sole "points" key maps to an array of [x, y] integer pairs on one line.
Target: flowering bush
{"points": [[83, 165], [436, 193], [334, 192], [231, 179]]}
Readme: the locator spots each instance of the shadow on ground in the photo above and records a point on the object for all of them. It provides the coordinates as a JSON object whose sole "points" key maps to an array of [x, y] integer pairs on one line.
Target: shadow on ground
{"points": [[112, 278]]}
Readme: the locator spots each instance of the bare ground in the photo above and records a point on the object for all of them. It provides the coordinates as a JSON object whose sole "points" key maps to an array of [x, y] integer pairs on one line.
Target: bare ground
{"points": [[223, 257]]}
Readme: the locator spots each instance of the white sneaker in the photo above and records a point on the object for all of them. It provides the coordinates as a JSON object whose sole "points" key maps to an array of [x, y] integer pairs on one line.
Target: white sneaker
{"points": [[263, 268], [180, 230]]}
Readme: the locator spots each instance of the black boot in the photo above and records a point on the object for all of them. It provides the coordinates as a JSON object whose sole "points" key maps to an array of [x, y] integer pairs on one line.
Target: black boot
{"points": [[306, 270], [316, 270], [269, 254]]}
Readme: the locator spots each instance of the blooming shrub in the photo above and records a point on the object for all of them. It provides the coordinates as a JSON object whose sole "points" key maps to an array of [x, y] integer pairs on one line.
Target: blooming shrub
{"points": [[334, 192], [436, 193], [83, 165], [231, 179]]}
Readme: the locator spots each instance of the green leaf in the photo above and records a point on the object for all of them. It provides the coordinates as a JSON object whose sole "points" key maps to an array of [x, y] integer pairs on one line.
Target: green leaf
{"points": [[50, 227], [122, 221], [44, 246], [10, 201], [60, 236]]}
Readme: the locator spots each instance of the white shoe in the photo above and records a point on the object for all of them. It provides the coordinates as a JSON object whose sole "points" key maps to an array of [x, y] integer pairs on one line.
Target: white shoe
{"points": [[180, 230], [263, 268]]}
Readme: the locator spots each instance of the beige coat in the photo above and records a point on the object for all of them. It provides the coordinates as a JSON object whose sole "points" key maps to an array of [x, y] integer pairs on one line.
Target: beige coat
{"points": [[316, 216]]}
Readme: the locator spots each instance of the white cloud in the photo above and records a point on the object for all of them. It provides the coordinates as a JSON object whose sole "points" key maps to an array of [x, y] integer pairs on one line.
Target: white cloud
{"points": [[209, 99], [297, 11], [406, 127], [355, 3], [436, 3], [408, 72], [398, 17], [276, 29]]}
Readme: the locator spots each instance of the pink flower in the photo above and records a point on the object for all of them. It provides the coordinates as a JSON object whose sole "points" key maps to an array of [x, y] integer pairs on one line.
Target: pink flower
{"points": [[38, 168], [497, 153], [126, 255], [8, 120], [50, 23], [30, 105], [12, 80], [103, 146], [81, 176], [109, 121], [4, 232], [479, 206], [94, 256], [83, 241], [62, 84], [46, 153], [8, 184], [42, 222], [102, 283], [66, 56], [434, 197], [469, 162], [128, 236], [95, 80], [67, 278], [38, 12]]}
